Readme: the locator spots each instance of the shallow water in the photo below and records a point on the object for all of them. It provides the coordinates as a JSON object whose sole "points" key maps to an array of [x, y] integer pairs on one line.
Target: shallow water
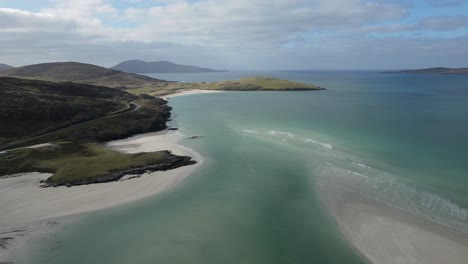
{"points": [[401, 139]]}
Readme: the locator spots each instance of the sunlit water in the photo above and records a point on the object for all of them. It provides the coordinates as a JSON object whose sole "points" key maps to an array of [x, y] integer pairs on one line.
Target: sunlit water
{"points": [[401, 139]]}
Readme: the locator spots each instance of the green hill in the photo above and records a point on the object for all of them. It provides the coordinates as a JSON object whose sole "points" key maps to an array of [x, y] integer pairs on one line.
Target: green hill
{"points": [[83, 73], [246, 84], [38, 111], [262, 84]]}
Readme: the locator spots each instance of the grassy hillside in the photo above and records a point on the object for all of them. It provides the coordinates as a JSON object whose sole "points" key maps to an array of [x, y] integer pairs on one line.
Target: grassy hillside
{"points": [[83, 73], [77, 164], [77, 116], [261, 83], [246, 84], [38, 111]]}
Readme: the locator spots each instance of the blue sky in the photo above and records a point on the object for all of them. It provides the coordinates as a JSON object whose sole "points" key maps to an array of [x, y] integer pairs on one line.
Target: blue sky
{"points": [[242, 34]]}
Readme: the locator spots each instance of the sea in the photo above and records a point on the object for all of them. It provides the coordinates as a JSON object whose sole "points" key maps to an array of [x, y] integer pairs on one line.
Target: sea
{"points": [[400, 139]]}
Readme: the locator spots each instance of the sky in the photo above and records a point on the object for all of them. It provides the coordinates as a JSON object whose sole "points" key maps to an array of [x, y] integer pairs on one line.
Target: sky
{"points": [[239, 34]]}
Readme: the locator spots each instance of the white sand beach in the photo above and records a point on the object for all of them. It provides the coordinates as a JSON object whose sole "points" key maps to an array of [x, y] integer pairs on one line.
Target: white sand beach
{"points": [[189, 92], [27, 207], [386, 235]]}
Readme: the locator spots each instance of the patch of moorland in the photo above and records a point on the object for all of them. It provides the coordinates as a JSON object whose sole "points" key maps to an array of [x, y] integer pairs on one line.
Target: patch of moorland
{"points": [[78, 164], [37, 111], [151, 115]]}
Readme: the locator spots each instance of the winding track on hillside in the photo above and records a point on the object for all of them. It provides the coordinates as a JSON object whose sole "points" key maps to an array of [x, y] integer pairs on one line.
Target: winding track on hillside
{"points": [[131, 107]]}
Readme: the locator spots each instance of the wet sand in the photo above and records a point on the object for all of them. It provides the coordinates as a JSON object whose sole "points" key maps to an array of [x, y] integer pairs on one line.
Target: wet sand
{"points": [[25, 208], [189, 92], [384, 234]]}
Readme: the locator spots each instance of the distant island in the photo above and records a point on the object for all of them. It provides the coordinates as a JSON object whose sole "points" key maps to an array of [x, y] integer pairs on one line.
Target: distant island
{"points": [[4, 67], [437, 70], [139, 66]]}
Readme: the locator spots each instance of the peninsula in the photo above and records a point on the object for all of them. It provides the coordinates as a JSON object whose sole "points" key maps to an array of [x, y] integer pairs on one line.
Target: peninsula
{"points": [[245, 84]]}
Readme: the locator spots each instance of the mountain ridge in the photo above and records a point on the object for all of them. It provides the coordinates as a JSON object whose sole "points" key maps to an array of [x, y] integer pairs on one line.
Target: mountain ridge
{"points": [[5, 67], [140, 66], [83, 73]]}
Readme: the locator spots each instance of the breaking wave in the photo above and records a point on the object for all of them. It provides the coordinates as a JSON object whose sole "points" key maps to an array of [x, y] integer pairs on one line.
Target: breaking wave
{"points": [[285, 136], [375, 183], [385, 187]]}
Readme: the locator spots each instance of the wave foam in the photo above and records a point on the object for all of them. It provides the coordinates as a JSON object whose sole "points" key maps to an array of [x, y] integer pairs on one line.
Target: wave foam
{"points": [[286, 136], [385, 188]]}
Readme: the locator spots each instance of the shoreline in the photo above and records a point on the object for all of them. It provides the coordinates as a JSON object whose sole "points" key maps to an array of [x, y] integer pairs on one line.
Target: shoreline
{"points": [[27, 210], [189, 92], [383, 234]]}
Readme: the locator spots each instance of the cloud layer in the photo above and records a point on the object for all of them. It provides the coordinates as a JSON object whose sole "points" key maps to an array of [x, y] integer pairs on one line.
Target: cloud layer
{"points": [[242, 34]]}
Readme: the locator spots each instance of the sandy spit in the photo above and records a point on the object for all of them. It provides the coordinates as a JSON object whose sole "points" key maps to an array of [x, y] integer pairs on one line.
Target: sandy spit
{"points": [[387, 235], [189, 92], [26, 210]]}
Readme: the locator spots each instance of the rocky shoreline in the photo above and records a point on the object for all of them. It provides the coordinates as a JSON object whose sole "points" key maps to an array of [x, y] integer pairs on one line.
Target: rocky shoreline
{"points": [[172, 162]]}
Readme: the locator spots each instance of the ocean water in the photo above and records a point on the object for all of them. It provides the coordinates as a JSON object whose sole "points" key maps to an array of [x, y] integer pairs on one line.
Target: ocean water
{"points": [[400, 139]]}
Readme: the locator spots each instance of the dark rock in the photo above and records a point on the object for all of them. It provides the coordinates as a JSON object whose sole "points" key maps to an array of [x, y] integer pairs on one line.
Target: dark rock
{"points": [[4, 241]]}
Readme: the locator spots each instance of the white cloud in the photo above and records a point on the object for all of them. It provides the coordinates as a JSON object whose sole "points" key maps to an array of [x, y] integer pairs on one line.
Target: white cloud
{"points": [[215, 33]]}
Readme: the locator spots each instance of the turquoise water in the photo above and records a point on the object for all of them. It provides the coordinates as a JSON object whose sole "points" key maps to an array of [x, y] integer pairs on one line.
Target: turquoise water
{"points": [[401, 139]]}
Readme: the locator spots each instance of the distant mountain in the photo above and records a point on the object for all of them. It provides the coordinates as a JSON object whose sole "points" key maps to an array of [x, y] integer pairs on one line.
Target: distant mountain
{"points": [[83, 73], [4, 67], [437, 70], [138, 66]]}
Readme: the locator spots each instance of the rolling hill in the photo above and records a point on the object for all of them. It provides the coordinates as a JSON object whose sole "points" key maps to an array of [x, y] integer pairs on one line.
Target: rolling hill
{"points": [[83, 73], [35, 112], [262, 84], [4, 67], [139, 66]]}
